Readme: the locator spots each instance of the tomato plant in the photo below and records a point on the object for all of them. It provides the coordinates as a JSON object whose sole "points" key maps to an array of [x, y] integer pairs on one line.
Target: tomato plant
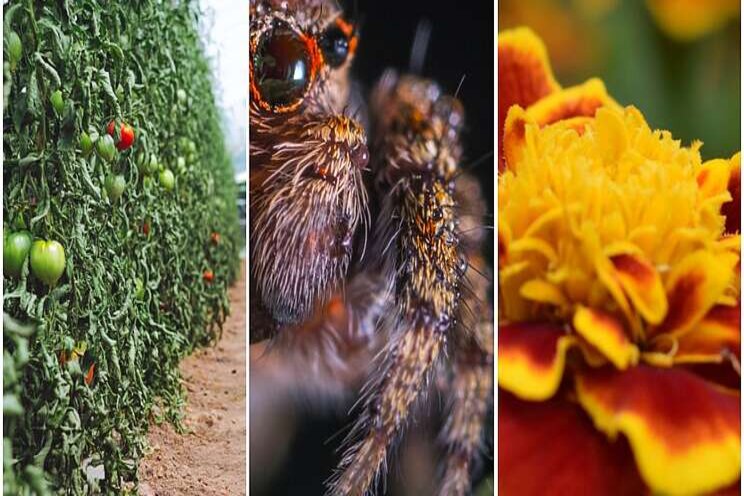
{"points": [[110, 62], [47, 261], [15, 250]]}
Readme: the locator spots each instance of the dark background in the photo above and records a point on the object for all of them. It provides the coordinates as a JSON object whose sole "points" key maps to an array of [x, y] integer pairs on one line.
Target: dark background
{"points": [[461, 43]]}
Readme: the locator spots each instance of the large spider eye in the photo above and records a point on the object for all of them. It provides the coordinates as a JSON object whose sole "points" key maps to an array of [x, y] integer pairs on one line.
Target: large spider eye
{"points": [[282, 67], [337, 43]]}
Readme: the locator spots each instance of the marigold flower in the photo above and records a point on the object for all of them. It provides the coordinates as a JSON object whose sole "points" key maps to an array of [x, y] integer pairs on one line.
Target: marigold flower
{"points": [[619, 299], [687, 20]]}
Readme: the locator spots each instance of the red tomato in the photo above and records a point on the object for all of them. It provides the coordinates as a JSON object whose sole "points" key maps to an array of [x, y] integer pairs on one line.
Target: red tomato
{"points": [[208, 275], [127, 135], [89, 375], [215, 238], [146, 228]]}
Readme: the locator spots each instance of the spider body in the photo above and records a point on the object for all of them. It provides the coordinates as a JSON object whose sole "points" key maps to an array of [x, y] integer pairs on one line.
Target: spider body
{"points": [[402, 287]]}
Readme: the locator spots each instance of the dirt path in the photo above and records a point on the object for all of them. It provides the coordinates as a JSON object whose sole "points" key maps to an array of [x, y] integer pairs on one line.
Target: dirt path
{"points": [[210, 458]]}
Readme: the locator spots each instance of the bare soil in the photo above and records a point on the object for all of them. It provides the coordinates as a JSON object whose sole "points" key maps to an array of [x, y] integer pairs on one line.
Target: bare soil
{"points": [[209, 459]]}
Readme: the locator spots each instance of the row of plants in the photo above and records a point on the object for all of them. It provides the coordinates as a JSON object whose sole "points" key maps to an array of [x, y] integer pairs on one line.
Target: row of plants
{"points": [[120, 233]]}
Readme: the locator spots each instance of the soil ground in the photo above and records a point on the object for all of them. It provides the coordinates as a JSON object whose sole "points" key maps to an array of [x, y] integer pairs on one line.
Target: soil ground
{"points": [[210, 458]]}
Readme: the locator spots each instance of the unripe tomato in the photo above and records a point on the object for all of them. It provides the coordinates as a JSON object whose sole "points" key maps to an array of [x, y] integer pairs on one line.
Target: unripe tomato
{"points": [[105, 148], [126, 135], [15, 49], [47, 261], [154, 165], [139, 289], [181, 165], [115, 186], [208, 275], [167, 179], [86, 143], [181, 95], [15, 250], [57, 102]]}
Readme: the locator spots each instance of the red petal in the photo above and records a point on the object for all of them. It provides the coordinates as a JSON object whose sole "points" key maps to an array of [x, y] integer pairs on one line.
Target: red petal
{"points": [[717, 333], [532, 358], [551, 447], [683, 430], [693, 287], [642, 284]]}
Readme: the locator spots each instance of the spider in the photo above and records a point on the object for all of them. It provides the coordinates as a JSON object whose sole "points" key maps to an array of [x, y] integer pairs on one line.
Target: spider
{"points": [[365, 239]]}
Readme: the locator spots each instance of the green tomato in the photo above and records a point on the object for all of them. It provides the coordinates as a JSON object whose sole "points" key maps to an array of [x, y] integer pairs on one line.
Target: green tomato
{"points": [[58, 102], [47, 261], [167, 179], [181, 95], [115, 186], [139, 289], [15, 49], [15, 251], [86, 143], [154, 165], [106, 148], [181, 165]]}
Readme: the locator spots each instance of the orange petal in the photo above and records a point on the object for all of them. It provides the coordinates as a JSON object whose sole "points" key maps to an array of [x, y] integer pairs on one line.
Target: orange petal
{"points": [[693, 287], [641, 282], [718, 333], [531, 359], [524, 74], [732, 209], [551, 447], [607, 335], [578, 101], [683, 430]]}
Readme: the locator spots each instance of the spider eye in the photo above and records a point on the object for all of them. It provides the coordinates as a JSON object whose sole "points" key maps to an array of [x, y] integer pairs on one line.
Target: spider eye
{"points": [[335, 46], [337, 43], [282, 67]]}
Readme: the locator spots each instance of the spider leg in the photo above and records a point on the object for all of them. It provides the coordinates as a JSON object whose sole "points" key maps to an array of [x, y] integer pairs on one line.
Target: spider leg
{"points": [[469, 396], [470, 390], [416, 241]]}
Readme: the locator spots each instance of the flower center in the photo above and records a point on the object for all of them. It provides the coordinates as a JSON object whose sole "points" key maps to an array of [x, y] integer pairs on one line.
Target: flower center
{"points": [[598, 215]]}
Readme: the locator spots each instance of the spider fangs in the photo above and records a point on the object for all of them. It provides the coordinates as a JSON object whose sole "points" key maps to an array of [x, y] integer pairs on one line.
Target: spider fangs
{"points": [[416, 292]]}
